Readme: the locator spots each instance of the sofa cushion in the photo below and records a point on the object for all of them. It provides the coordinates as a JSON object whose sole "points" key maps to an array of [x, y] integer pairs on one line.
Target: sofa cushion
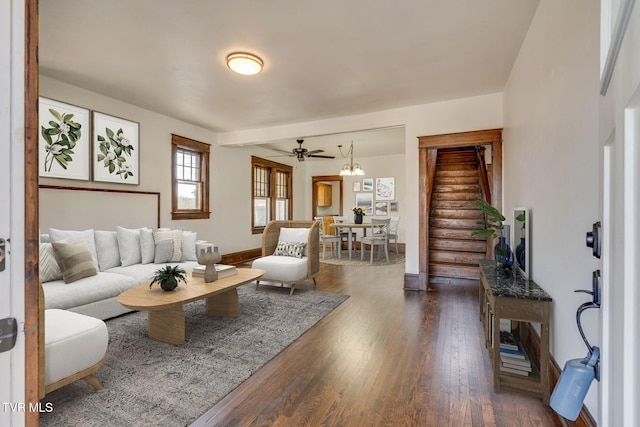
{"points": [[294, 235], [107, 249], [73, 236], [147, 245], [142, 273], [129, 245], [282, 268], [73, 342], [176, 236], [74, 259], [49, 269], [87, 290]]}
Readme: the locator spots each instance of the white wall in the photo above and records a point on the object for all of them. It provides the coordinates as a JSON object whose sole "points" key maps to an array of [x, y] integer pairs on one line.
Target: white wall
{"points": [[460, 115], [551, 161], [229, 225]]}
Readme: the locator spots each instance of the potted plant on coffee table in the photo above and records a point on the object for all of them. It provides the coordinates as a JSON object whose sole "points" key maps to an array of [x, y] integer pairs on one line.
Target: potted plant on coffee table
{"points": [[168, 277]]}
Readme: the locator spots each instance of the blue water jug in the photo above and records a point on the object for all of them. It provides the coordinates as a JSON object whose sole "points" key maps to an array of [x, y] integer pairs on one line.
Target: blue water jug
{"points": [[574, 382]]}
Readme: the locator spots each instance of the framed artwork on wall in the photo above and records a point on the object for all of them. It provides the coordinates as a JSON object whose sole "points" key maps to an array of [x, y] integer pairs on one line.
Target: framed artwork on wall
{"points": [[116, 149], [385, 188], [393, 206], [365, 200], [356, 186], [382, 208], [367, 184], [64, 140]]}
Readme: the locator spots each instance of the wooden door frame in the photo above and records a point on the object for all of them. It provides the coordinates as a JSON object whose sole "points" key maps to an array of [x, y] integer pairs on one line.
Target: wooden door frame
{"points": [[314, 191], [428, 147], [34, 337]]}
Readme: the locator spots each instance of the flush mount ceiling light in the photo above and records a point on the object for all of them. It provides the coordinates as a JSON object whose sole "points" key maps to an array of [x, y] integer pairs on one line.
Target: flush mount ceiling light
{"points": [[244, 63]]}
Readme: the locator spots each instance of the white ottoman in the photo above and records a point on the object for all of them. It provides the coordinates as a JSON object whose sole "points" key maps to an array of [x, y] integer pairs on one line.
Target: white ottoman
{"points": [[75, 346]]}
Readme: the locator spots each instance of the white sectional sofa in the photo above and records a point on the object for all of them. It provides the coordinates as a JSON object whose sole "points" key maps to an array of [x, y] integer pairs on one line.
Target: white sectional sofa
{"points": [[119, 260]]}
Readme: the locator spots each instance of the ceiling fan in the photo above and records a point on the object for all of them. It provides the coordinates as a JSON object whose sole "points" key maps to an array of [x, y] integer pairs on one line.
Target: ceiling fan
{"points": [[301, 153]]}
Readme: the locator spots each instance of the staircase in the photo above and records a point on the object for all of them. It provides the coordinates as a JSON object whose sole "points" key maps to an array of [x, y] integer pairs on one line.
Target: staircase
{"points": [[453, 252]]}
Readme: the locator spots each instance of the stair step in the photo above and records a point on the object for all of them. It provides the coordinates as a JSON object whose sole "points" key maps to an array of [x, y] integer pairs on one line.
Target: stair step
{"points": [[467, 167], [454, 223], [458, 245], [464, 179], [469, 188], [454, 270], [473, 214], [455, 257], [455, 205], [459, 160], [455, 196], [453, 233]]}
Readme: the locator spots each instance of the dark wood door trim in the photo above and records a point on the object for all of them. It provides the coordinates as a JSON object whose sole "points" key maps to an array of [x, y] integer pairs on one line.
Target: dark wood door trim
{"points": [[34, 336], [428, 147]]}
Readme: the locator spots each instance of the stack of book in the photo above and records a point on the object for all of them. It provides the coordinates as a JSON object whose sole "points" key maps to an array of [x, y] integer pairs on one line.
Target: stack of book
{"points": [[512, 357], [223, 271]]}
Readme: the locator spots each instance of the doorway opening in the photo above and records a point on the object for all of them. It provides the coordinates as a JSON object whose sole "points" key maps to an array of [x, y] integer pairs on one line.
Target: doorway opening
{"points": [[327, 195]]}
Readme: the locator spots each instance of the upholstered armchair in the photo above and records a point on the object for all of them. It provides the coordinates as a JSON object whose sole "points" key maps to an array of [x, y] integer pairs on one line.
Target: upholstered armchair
{"points": [[293, 267], [72, 347]]}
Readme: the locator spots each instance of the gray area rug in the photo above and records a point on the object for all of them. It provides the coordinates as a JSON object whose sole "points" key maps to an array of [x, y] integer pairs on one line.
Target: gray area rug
{"points": [[149, 383], [355, 258]]}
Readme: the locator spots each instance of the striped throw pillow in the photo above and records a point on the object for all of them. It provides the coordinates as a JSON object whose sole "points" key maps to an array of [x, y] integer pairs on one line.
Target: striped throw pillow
{"points": [[75, 260], [49, 270]]}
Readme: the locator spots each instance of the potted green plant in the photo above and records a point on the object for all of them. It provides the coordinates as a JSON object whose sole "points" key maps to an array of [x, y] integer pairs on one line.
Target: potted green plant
{"points": [[493, 223], [168, 277]]}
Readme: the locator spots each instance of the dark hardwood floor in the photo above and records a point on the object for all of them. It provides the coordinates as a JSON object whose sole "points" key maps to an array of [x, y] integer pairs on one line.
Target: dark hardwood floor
{"points": [[385, 357]]}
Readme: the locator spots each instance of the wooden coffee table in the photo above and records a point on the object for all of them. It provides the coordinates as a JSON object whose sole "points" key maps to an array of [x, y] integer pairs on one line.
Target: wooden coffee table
{"points": [[166, 311]]}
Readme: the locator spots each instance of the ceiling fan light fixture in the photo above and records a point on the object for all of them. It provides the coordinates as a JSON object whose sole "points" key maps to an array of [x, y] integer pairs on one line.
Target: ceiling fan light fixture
{"points": [[244, 63]]}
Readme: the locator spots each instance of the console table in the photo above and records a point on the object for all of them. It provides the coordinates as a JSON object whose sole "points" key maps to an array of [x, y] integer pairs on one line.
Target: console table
{"points": [[506, 296]]}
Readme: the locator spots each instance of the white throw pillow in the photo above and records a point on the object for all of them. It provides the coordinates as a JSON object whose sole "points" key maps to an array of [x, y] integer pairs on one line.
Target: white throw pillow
{"points": [[71, 236], [189, 246], [107, 248], [147, 245], [129, 246], [293, 235], [176, 236]]}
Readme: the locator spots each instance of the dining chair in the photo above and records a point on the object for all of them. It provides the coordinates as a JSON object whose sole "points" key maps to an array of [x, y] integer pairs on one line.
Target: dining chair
{"points": [[393, 230], [377, 237], [329, 238], [345, 234]]}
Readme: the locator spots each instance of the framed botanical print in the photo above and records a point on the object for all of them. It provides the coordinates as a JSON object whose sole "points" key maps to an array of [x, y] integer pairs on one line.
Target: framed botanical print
{"points": [[63, 143], [116, 149]]}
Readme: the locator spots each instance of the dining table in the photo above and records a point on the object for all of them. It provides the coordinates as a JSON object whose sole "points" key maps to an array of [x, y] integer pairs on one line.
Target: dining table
{"points": [[350, 226]]}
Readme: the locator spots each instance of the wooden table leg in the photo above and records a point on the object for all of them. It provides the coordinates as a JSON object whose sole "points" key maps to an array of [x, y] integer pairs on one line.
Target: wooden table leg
{"points": [[167, 325], [224, 304]]}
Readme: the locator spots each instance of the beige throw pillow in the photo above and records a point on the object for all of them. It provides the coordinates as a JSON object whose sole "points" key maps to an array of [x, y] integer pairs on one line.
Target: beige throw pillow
{"points": [[176, 236]]}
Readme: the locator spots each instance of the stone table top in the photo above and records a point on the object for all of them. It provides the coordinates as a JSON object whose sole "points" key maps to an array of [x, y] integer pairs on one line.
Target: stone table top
{"points": [[505, 283]]}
